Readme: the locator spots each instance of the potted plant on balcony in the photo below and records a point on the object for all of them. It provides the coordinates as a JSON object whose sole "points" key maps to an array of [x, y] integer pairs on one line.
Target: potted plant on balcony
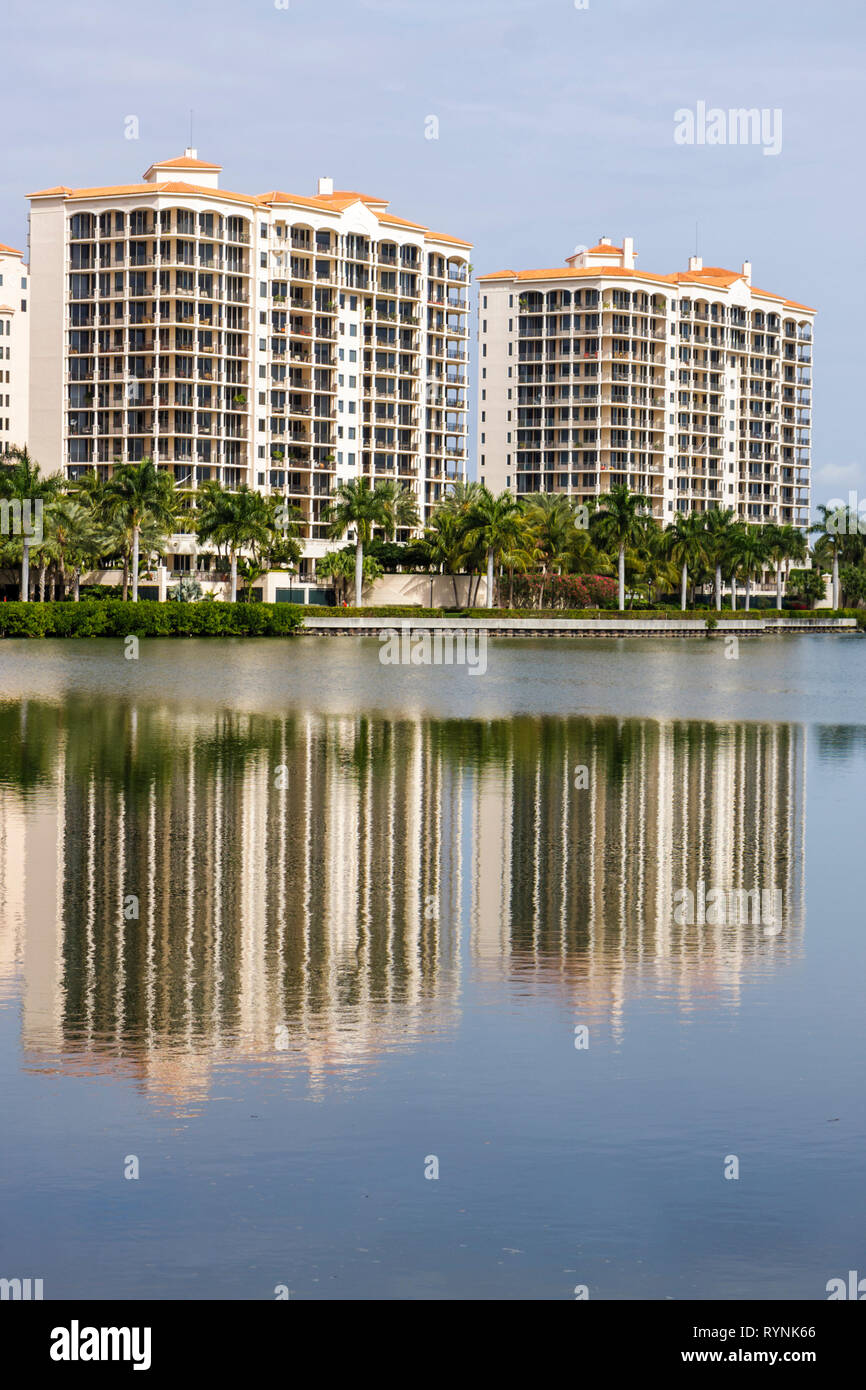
{"points": [[239, 398]]}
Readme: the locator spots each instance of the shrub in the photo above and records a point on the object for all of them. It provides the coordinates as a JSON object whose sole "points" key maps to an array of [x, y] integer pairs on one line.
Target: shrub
{"points": [[114, 618], [565, 591], [187, 590]]}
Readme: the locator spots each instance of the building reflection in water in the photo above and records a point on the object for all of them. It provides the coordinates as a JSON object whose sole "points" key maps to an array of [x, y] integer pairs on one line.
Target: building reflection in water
{"points": [[322, 888]]}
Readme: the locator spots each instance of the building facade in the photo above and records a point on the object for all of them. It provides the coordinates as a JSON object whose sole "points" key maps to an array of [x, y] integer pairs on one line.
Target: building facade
{"points": [[14, 348], [694, 388], [286, 342]]}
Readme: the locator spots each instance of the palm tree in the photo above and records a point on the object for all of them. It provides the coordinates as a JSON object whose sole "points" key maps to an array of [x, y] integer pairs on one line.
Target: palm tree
{"points": [[444, 544], [522, 555], [494, 524], [460, 495], [619, 523], [831, 527], [719, 526], [399, 507], [75, 534], [356, 503], [21, 481], [549, 518], [687, 547], [796, 547], [136, 491], [234, 520], [748, 554]]}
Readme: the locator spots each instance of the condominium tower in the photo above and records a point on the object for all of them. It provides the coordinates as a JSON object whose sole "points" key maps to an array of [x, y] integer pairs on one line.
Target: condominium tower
{"points": [[14, 348], [286, 342], [694, 388]]}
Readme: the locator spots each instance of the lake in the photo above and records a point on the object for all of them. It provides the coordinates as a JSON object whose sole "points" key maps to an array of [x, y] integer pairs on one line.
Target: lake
{"points": [[337, 979]]}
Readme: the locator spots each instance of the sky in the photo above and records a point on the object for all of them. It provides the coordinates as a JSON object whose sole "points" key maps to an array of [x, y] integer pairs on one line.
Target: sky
{"points": [[554, 124]]}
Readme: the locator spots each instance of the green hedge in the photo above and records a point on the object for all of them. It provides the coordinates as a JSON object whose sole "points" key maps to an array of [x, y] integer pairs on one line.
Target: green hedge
{"points": [[114, 618]]}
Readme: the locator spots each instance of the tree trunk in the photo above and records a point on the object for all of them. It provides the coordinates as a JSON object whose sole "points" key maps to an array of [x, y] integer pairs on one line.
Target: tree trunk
{"points": [[684, 584], [621, 572], [733, 594], [25, 573], [42, 583], [835, 579], [718, 588], [135, 564], [52, 585], [490, 579], [359, 572], [748, 591], [234, 589], [454, 587], [125, 576], [779, 586], [76, 584], [511, 587]]}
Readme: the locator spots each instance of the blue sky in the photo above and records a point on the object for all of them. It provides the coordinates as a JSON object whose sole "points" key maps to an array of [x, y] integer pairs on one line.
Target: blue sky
{"points": [[555, 126]]}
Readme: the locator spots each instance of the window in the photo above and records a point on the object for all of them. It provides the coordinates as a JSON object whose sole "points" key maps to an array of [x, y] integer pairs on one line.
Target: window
{"points": [[263, 229]]}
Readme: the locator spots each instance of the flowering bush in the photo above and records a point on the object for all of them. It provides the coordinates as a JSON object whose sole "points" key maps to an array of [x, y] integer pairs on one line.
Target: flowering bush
{"points": [[564, 591]]}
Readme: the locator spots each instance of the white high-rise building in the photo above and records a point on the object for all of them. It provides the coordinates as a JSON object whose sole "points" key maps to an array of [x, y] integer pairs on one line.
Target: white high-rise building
{"points": [[693, 388], [286, 342], [14, 348]]}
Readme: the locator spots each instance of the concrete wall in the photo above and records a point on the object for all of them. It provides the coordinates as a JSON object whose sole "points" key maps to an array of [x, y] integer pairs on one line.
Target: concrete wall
{"points": [[430, 591]]}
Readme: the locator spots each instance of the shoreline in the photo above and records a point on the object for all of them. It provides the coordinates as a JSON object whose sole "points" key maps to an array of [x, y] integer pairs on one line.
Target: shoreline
{"points": [[576, 627]]}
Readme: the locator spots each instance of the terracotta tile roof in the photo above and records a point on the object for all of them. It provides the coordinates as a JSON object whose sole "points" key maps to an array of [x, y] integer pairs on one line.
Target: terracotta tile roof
{"points": [[147, 189], [601, 249], [390, 220], [332, 202], [8, 250], [296, 199], [713, 277], [6, 309], [183, 161], [355, 197], [791, 303], [452, 240]]}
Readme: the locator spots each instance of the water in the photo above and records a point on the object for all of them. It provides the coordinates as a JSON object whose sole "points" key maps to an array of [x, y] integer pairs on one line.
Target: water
{"points": [[284, 926]]}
